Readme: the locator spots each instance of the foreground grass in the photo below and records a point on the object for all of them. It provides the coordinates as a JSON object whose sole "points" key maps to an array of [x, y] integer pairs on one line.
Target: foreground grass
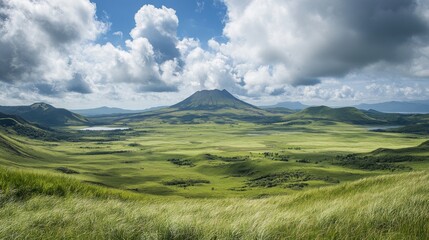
{"points": [[384, 207], [22, 185]]}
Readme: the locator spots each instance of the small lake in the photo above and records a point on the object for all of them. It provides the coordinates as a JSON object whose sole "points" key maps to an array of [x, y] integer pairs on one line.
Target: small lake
{"points": [[374, 128], [103, 128]]}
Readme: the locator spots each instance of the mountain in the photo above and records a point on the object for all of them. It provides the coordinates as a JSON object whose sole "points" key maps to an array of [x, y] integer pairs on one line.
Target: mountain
{"points": [[397, 107], [217, 106], [288, 105], [345, 114], [104, 111], [212, 100], [45, 115]]}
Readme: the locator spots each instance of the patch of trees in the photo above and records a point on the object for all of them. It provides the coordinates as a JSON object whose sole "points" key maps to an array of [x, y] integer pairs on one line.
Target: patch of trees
{"points": [[185, 182], [368, 162], [66, 170], [276, 156], [104, 152], [209, 156], [297, 186], [181, 162], [303, 161], [279, 179]]}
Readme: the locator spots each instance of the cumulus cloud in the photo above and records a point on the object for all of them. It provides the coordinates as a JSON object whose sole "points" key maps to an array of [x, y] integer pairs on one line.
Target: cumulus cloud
{"points": [[327, 38], [37, 36], [273, 48], [159, 27], [51, 44]]}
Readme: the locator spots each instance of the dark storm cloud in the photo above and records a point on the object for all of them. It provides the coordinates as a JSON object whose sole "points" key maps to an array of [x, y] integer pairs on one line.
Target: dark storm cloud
{"points": [[311, 40], [164, 46], [78, 85], [380, 30], [369, 31], [47, 89], [157, 87]]}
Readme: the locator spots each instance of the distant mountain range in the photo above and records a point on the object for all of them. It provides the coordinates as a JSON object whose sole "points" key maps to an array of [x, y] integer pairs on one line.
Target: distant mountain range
{"points": [[288, 105], [387, 107], [104, 111], [45, 115]]}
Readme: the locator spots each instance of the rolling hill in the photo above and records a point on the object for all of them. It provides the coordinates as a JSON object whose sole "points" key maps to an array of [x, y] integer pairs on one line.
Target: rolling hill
{"points": [[45, 115], [346, 114]]}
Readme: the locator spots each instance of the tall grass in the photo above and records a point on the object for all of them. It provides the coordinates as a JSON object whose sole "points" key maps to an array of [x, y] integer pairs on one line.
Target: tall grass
{"points": [[21, 185], [385, 207]]}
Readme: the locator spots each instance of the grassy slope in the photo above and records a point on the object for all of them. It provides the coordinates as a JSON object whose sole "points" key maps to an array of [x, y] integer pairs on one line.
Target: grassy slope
{"points": [[346, 114], [384, 207]]}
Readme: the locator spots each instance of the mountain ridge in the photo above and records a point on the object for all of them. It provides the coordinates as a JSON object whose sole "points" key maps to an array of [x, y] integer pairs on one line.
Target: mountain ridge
{"points": [[45, 114]]}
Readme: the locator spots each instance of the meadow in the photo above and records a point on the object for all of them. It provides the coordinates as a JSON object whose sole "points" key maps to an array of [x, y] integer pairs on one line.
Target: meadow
{"points": [[212, 160], [295, 179]]}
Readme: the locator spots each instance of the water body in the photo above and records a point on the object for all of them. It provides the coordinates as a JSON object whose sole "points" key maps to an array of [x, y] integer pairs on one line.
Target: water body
{"points": [[103, 128], [375, 128]]}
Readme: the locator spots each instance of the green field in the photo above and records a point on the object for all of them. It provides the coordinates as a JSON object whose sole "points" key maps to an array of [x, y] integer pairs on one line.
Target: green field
{"points": [[212, 160]]}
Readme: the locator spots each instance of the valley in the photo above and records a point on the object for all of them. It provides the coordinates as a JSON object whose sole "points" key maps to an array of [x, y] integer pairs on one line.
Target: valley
{"points": [[199, 157], [209, 149]]}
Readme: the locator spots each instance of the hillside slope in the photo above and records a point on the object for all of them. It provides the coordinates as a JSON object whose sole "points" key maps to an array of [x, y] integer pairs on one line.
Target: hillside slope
{"points": [[45, 114], [11, 124], [346, 114], [385, 207]]}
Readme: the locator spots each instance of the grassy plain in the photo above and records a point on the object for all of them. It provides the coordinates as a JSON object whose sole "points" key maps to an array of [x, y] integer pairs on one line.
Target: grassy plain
{"points": [[211, 160]]}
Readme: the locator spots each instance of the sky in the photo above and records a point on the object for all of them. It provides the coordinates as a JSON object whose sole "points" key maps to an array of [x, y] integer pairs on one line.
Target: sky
{"points": [[137, 54]]}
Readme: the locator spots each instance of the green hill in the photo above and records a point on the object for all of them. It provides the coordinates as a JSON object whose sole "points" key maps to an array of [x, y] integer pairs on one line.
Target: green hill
{"points": [[45, 114], [39, 206], [11, 124], [345, 114]]}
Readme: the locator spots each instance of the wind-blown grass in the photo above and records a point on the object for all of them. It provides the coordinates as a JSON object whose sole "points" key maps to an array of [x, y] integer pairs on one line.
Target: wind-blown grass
{"points": [[384, 207], [21, 184]]}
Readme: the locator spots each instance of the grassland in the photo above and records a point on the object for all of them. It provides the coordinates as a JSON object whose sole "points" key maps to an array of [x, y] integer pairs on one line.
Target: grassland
{"points": [[295, 179], [39, 206], [211, 160]]}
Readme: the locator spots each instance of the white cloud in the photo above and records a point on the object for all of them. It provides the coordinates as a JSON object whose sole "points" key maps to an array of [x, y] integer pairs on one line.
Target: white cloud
{"points": [[328, 38], [275, 49], [36, 37]]}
